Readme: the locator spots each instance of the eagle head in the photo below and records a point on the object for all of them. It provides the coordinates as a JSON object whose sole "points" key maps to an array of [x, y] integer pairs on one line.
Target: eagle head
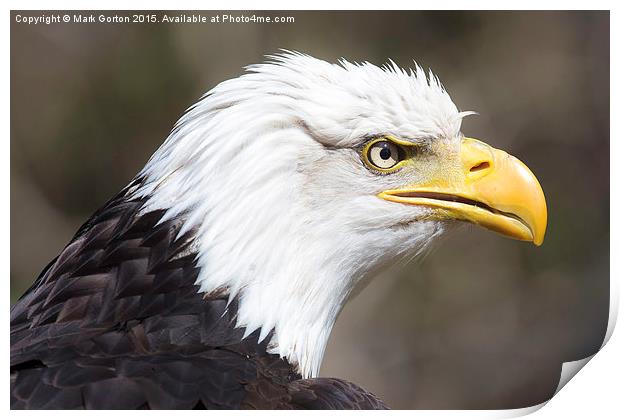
{"points": [[301, 178]]}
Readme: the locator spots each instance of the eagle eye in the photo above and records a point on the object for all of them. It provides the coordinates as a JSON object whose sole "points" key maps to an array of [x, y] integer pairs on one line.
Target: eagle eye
{"points": [[384, 154]]}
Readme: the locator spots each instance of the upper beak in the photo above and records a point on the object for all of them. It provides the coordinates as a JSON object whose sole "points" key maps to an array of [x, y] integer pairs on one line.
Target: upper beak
{"points": [[491, 188]]}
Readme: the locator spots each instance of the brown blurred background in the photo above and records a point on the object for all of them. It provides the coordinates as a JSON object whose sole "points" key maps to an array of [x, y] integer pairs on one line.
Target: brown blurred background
{"points": [[481, 322]]}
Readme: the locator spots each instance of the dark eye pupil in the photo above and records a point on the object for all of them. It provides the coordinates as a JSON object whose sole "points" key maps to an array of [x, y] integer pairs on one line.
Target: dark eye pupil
{"points": [[385, 153]]}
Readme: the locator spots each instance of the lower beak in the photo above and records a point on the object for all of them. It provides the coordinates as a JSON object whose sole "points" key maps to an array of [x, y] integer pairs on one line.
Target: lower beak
{"points": [[492, 189]]}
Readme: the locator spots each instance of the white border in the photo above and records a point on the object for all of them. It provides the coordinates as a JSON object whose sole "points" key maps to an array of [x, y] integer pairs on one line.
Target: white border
{"points": [[593, 394], [311, 5]]}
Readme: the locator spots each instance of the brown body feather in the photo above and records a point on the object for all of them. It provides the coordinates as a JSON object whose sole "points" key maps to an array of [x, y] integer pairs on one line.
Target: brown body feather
{"points": [[115, 321]]}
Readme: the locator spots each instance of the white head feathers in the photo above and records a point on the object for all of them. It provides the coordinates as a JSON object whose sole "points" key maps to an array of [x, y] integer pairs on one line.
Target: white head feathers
{"points": [[267, 168]]}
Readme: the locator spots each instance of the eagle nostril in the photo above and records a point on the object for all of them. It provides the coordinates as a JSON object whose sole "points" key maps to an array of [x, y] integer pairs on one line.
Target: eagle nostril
{"points": [[480, 166]]}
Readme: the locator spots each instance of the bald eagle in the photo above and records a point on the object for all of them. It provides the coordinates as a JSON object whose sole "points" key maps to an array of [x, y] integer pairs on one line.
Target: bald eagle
{"points": [[214, 278]]}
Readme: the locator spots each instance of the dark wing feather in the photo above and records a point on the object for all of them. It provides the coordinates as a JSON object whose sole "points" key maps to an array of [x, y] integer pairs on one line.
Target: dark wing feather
{"points": [[332, 394], [311, 394], [115, 321]]}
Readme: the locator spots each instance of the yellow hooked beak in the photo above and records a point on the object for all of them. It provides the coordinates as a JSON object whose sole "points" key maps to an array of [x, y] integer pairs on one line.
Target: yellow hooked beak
{"points": [[490, 188]]}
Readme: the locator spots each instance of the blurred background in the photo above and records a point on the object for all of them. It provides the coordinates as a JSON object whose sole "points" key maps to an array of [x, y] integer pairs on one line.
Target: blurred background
{"points": [[481, 322]]}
